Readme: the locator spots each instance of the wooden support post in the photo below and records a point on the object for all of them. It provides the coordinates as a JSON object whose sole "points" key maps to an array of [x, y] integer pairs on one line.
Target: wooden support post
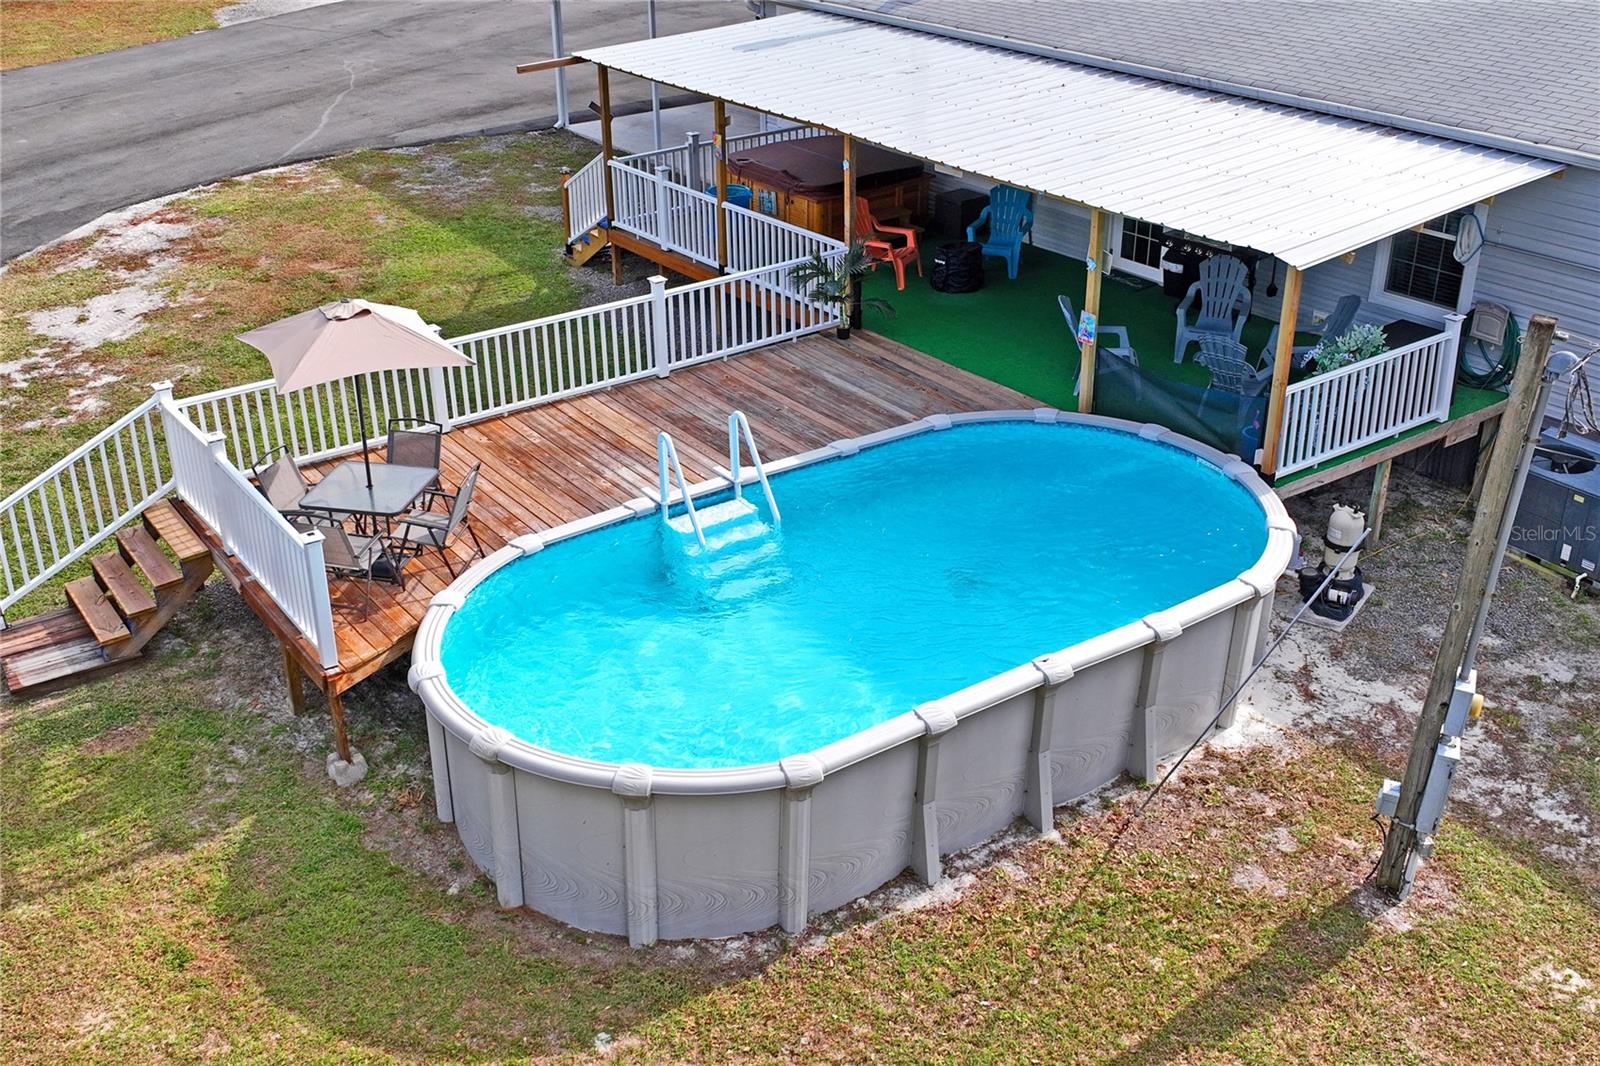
{"points": [[1091, 307], [719, 149], [1378, 501], [848, 164], [607, 151], [1486, 435], [1402, 842], [341, 740], [296, 682], [1281, 360]]}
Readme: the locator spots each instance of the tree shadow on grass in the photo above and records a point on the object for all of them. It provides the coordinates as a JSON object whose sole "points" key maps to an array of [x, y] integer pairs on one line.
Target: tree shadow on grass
{"points": [[1300, 953]]}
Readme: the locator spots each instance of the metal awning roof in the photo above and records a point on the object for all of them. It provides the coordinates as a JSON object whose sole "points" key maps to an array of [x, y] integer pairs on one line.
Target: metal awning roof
{"points": [[1295, 184]]}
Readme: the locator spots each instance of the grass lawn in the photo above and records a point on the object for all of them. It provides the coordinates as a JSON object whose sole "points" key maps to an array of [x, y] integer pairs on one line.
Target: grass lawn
{"points": [[43, 31], [182, 882], [468, 232]]}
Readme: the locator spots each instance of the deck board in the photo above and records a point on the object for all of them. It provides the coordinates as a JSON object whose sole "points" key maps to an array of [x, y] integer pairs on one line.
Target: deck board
{"points": [[562, 461]]}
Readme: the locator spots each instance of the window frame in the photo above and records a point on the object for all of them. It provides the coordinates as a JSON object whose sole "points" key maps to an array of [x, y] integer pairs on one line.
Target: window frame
{"points": [[1380, 294], [1133, 266]]}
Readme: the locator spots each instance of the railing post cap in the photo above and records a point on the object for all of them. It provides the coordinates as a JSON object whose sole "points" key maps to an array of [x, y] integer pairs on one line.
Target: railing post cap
{"points": [[802, 771], [937, 717], [487, 742], [632, 780], [159, 387], [1164, 624], [1055, 669]]}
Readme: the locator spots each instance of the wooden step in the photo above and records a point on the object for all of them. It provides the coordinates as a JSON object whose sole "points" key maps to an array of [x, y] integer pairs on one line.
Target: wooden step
{"points": [[131, 599], [143, 553], [94, 606], [167, 525], [587, 246], [60, 662]]}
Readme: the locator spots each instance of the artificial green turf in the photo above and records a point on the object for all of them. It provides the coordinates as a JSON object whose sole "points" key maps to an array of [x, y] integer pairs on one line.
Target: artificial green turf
{"points": [[1013, 331]]}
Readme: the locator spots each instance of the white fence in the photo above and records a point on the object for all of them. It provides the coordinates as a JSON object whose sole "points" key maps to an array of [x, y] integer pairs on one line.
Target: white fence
{"points": [[755, 240], [585, 192], [1356, 405], [285, 562], [70, 508], [655, 207]]}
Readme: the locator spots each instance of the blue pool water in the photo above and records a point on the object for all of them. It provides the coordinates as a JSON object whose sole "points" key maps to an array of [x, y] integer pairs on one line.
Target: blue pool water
{"points": [[897, 576]]}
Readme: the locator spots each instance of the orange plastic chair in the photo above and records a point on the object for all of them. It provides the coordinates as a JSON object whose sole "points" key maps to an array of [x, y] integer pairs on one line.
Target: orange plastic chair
{"points": [[877, 243]]}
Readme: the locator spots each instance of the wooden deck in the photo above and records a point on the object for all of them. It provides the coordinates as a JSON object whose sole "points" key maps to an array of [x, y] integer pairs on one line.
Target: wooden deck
{"points": [[552, 464]]}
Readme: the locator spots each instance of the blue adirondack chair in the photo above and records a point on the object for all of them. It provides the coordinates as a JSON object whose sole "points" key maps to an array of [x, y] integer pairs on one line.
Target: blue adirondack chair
{"points": [[1010, 217], [1224, 304], [1336, 325]]}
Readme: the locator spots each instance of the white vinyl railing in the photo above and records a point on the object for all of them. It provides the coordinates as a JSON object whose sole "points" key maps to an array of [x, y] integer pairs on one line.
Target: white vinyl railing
{"points": [[63, 514], [717, 318], [1365, 402], [755, 240], [694, 162], [585, 193], [285, 562], [674, 216]]}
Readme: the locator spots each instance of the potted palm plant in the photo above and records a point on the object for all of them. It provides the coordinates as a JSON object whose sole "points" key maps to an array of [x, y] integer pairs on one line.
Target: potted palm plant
{"points": [[827, 280]]}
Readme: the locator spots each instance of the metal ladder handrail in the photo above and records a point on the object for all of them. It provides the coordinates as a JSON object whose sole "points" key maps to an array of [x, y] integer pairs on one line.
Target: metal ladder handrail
{"points": [[736, 422], [667, 451]]}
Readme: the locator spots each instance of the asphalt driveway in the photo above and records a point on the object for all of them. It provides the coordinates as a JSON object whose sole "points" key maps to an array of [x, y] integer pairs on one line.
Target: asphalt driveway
{"points": [[86, 136]]}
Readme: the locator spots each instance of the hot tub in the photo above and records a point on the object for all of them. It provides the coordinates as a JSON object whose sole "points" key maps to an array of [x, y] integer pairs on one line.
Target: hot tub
{"points": [[957, 622]]}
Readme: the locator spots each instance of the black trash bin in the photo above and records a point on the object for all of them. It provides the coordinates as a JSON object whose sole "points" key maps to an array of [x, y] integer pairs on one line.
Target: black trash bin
{"points": [[957, 267]]}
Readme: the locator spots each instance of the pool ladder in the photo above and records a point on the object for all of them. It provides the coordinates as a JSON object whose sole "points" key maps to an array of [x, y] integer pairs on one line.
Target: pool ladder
{"points": [[670, 471]]}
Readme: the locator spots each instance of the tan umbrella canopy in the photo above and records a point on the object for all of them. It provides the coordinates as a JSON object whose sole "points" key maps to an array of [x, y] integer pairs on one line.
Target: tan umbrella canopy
{"points": [[351, 338]]}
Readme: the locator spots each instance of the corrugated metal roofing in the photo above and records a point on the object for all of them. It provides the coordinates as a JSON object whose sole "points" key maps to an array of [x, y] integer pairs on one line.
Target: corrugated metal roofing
{"points": [[1295, 184]]}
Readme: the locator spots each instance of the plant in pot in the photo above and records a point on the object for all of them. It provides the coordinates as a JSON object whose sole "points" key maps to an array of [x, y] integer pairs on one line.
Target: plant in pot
{"points": [[1351, 346], [828, 281]]}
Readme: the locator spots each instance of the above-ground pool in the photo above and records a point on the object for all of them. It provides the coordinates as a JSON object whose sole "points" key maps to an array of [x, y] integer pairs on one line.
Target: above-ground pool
{"points": [[945, 631]]}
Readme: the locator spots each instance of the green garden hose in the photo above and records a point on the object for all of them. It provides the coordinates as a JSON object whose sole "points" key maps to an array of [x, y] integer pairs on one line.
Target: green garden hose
{"points": [[1498, 371]]}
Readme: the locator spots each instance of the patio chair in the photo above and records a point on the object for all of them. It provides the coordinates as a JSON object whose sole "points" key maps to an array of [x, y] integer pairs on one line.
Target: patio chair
{"points": [[1336, 325], [1224, 304], [1009, 214], [355, 558], [1122, 350], [280, 480], [1231, 370], [426, 528], [415, 442], [877, 241]]}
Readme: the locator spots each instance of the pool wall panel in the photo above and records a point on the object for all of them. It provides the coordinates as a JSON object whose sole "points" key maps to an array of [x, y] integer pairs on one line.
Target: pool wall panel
{"points": [[650, 852]]}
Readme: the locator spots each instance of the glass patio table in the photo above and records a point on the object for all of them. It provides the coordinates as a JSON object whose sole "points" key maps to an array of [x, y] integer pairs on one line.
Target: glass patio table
{"points": [[394, 489]]}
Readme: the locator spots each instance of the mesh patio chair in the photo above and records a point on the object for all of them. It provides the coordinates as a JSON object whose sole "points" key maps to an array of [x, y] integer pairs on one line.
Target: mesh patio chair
{"points": [[1121, 350], [1224, 304], [415, 442], [1337, 325], [280, 480], [426, 528], [355, 558]]}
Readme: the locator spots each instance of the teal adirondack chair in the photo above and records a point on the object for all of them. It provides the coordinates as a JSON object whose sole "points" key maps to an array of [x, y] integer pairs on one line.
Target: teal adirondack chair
{"points": [[1224, 301], [1010, 217]]}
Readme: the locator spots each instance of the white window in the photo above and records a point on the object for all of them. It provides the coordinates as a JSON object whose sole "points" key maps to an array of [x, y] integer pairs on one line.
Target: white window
{"points": [[1417, 270], [1138, 248]]}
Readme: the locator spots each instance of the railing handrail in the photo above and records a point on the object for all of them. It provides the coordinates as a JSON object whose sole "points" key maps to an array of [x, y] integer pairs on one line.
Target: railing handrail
{"points": [[778, 223], [667, 453], [1351, 369], [79, 452], [737, 422]]}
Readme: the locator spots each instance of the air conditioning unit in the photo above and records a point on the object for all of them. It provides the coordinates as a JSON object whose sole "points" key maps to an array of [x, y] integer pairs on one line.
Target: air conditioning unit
{"points": [[1558, 520]]}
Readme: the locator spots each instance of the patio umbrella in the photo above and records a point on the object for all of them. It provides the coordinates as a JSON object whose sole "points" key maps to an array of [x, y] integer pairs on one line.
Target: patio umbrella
{"points": [[351, 338]]}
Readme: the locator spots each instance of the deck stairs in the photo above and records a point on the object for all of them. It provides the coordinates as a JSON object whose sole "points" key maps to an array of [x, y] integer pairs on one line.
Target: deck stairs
{"points": [[587, 245], [159, 564]]}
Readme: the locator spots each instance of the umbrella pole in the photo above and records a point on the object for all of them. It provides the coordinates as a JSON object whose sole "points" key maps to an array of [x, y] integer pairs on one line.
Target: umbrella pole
{"points": [[361, 404]]}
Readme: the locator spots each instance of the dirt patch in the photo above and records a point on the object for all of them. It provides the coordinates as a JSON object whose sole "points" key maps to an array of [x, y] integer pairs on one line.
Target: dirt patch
{"points": [[121, 738]]}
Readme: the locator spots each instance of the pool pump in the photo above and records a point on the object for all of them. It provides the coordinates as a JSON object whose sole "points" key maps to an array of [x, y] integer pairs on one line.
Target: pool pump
{"points": [[1347, 591]]}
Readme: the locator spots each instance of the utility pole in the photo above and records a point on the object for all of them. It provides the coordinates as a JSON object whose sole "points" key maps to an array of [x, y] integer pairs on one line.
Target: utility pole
{"points": [[558, 49], [1433, 754]]}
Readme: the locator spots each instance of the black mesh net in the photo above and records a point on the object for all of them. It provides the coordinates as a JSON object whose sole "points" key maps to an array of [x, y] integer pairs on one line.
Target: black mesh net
{"points": [[1224, 420]]}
